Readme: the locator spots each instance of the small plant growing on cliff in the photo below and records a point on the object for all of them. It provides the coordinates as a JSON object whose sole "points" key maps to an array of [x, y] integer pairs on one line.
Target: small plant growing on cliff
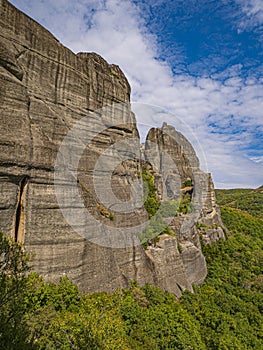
{"points": [[152, 202], [85, 189], [186, 205], [157, 210], [188, 183], [169, 208], [105, 212], [114, 75], [180, 248]]}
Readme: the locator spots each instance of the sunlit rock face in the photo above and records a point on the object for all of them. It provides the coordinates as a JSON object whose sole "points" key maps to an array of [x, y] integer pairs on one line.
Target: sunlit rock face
{"points": [[46, 90], [179, 176]]}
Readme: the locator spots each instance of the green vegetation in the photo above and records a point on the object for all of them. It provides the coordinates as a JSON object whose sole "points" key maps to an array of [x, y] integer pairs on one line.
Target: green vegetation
{"points": [[52, 316], [13, 285], [188, 183], [247, 200], [185, 204], [228, 305], [224, 313], [152, 232], [114, 75], [169, 209], [103, 211], [152, 201], [157, 210], [85, 189]]}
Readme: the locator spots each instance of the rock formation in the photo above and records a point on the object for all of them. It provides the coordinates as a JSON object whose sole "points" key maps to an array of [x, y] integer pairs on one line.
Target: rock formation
{"points": [[45, 90], [179, 175]]}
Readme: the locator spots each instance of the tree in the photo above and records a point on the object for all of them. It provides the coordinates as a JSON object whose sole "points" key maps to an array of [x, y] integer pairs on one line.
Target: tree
{"points": [[13, 268]]}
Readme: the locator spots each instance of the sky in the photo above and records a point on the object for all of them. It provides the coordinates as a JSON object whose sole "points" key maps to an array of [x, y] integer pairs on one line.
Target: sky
{"points": [[200, 60]]}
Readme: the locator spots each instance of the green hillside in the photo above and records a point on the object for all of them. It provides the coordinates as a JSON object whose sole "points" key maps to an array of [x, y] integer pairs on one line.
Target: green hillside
{"points": [[224, 313], [247, 200]]}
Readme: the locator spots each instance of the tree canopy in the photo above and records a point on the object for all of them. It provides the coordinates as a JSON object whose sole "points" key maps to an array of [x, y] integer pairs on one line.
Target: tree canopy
{"points": [[224, 313]]}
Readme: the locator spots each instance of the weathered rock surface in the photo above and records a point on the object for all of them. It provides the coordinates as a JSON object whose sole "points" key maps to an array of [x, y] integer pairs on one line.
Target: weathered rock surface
{"points": [[168, 265], [176, 163], [45, 89]]}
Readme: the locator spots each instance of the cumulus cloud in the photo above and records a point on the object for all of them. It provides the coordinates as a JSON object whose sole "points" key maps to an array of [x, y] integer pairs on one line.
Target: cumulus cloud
{"points": [[222, 110]]}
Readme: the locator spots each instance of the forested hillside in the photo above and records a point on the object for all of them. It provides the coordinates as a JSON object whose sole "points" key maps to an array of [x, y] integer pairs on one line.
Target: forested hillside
{"points": [[224, 313], [248, 200]]}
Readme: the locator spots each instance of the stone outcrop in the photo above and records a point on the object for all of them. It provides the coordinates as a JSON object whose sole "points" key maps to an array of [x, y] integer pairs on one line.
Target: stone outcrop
{"points": [[46, 90], [175, 160]]}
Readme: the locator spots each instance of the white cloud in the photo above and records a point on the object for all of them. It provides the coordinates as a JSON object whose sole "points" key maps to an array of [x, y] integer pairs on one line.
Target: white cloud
{"points": [[223, 110], [257, 159], [252, 18], [253, 9]]}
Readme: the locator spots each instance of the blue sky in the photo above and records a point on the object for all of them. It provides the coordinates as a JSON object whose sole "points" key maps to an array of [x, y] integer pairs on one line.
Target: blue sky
{"points": [[209, 35], [201, 60]]}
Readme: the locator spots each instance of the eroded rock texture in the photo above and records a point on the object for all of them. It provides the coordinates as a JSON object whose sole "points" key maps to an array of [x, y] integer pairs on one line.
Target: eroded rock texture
{"points": [[45, 89], [180, 177]]}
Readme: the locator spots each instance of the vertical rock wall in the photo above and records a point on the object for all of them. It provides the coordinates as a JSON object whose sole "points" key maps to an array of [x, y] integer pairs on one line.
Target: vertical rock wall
{"points": [[45, 90], [177, 165]]}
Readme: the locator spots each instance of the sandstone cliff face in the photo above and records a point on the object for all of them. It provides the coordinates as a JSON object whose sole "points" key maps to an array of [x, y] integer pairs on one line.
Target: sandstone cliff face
{"points": [[179, 174], [45, 89]]}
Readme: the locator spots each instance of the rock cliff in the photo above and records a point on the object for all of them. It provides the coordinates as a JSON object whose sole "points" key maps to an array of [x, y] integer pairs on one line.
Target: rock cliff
{"points": [[46, 90]]}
